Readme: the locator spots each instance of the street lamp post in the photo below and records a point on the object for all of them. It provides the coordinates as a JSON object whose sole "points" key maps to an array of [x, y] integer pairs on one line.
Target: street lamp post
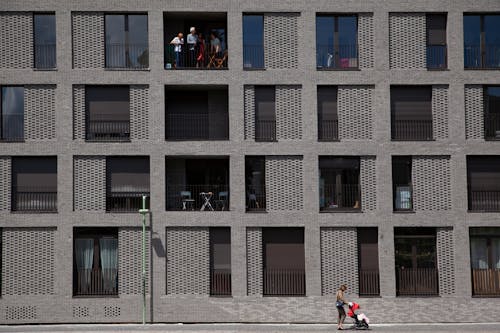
{"points": [[143, 211]]}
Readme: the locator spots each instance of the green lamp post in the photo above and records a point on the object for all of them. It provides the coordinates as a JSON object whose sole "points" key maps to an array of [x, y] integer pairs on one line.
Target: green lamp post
{"points": [[143, 211]]}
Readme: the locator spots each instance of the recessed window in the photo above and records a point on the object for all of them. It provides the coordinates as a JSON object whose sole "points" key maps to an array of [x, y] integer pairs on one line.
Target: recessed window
{"points": [[485, 261], [220, 261], [45, 40], [369, 278], [255, 183], [483, 180], [482, 41], [265, 113], [492, 112], [253, 41], [12, 113], [401, 183], [336, 41], [328, 121], [436, 41]]}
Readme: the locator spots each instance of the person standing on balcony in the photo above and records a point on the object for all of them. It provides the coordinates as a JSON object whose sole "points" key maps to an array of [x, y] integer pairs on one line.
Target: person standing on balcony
{"points": [[178, 41], [339, 304], [215, 45], [200, 58], [192, 40]]}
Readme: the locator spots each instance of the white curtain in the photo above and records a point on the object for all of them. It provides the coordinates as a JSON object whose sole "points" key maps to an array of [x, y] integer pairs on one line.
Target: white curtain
{"points": [[479, 253], [84, 255], [109, 263], [495, 246]]}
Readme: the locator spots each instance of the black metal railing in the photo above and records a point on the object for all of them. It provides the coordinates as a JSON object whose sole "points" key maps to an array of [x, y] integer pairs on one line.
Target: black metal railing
{"points": [[284, 282], [437, 56], [341, 197], [487, 56], [417, 282], [265, 130], [403, 197], [199, 58], [256, 198], [328, 130], [369, 282], [253, 56], [412, 130], [486, 282], [101, 129], [492, 126], [340, 57], [96, 282], [123, 201], [34, 199], [207, 197], [119, 55], [45, 56], [220, 282], [484, 200], [12, 127], [196, 127]]}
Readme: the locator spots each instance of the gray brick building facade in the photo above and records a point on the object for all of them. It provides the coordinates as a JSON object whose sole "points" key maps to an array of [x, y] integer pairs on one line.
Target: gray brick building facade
{"points": [[37, 250]]}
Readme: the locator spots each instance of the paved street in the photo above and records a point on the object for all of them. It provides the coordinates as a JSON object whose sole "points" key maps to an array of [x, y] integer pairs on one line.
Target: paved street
{"points": [[249, 328]]}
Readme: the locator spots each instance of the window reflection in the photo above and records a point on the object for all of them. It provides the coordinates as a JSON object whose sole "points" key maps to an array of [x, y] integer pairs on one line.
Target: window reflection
{"points": [[45, 40]]}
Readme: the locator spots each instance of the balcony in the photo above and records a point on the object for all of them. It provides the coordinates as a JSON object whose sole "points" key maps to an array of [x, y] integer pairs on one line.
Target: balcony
{"points": [[284, 282], [127, 56], [184, 126], [200, 58], [96, 282], [12, 127], [369, 283], [412, 130], [484, 200], [125, 202], [416, 282], [343, 57], [437, 57], [34, 199], [328, 130], [344, 197], [486, 282], [492, 126], [103, 128], [206, 197], [265, 130], [486, 57], [220, 282], [403, 197], [45, 56]]}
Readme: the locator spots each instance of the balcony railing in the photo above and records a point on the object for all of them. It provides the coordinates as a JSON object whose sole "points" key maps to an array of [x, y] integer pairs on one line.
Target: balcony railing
{"points": [[256, 198], [486, 282], [487, 56], [403, 197], [265, 130], [369, 283], [328, 130], [437, 56], [12, 127], [417, 281], [198, 197], [96, 282], [45, 56], [253, 56], [343, 57], [284, 282], [100, 129], [492, 126], [481, 200], [34, 199], [127, 56], [341, 197], [412, 130], [195, 127], [123, 202], [198, 59], [220, 282]]}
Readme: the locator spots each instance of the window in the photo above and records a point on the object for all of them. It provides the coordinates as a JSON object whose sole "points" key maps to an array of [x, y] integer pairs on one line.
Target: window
{"points": [[483, 178], [255, 183], [485, 261], [12, 114], [196, 114], [411, 113], [327, 114], [369, 279], [284, 261], [127, 180], [401, 183], [95, 261], [253, 41], [265, 113], [220, 261], [492, 112], [45, 40], [482, 41], [339, 188], [126, 41], [436, 41], [336, 41], [34, 184], [416, 270], [108, 113]]}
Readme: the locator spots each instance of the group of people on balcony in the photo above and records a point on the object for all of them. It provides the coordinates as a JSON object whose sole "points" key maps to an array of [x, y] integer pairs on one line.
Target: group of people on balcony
{"points": [[195, 52]]}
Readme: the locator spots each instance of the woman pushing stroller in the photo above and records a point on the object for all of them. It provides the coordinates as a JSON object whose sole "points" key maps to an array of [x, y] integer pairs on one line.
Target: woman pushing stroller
{"points": [[360, 320]]}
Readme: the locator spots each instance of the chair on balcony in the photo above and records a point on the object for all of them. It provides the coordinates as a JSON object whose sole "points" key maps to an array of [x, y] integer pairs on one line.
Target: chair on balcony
{"points": [[221, 202], [187, 201], [217, 60]]}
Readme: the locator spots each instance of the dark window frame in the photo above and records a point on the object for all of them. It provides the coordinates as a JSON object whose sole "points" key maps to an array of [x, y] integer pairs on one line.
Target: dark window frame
{"points": [[255, 197], [268, 131], [332, 128], [494, 284], [440, 48], [408, 160], [491, 197], [488, 136], [2, 139], [369, 280], [482, 40], [263, 42], [220, 280], [35, 44]]}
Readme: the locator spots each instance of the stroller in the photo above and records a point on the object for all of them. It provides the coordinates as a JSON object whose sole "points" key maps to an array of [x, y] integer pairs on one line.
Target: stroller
{"points": [[360, 320]]}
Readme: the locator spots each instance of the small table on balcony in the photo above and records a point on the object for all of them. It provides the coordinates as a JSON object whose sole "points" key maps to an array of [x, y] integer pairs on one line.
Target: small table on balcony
{"points": [[206, 196]]}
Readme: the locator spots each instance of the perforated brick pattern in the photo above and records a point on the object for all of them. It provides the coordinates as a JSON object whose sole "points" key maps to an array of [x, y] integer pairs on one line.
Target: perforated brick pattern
{"points": [[5, 178], [474, 112], [288, 112], [80, 311], [249, 110], [440, 112], [79, 112], [112, 311], [39, 112], [188, 261], [28, 260], [284, 183], [16, 40], [130, 261], [337, 267], [446, 261], [431, 183], [281, 42], [21, 312], [88, 39], [407, 40], [89, 183], [139, 112], [255, 266], [355, 106], [368, 181], [366, 40]]}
